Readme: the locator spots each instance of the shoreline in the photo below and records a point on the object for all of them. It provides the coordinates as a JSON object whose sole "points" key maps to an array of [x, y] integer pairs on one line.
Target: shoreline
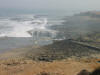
{"points": [[66, 57], [12, 43]]}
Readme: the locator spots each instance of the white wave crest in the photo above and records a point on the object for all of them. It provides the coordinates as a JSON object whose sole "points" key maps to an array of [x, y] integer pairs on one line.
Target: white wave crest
{"points": [[19, 28]]}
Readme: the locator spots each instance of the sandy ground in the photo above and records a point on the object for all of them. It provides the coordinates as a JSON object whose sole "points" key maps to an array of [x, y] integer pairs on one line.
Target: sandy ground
{"points": [[63, 67], [13, 63]]}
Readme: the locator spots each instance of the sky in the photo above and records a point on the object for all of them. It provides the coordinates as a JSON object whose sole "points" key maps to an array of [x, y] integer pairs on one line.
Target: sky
{"points": [[50, 4]]}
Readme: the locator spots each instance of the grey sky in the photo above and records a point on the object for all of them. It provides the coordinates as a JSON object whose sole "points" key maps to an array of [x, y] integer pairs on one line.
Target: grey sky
{"points": [[50, 4]]}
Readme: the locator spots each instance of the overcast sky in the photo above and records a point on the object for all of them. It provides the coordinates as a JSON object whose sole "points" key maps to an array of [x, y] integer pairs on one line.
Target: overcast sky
{"points": [[50, 4]]}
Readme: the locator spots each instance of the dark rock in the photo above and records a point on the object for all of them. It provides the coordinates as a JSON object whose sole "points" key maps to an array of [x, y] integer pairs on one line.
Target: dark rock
{"points": [[84, 72]]}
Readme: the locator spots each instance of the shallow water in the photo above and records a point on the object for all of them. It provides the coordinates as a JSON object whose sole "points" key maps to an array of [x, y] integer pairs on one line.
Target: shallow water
{"points": [[9, 43]]}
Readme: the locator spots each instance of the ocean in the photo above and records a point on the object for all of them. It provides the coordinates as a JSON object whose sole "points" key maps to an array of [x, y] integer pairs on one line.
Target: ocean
{"points": [[27, 29]]}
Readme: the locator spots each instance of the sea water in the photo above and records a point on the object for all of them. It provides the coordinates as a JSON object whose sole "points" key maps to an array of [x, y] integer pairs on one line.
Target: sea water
{"points": [[29, 29], [20, 30]]}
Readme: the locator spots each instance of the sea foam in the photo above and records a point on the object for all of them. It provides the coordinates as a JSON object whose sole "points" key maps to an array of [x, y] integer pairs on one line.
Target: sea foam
{"points": [[21, 25]]}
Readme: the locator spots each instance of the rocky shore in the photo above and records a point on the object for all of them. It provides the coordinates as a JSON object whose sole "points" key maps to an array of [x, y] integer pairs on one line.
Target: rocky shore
{"points": [[80, 50]]}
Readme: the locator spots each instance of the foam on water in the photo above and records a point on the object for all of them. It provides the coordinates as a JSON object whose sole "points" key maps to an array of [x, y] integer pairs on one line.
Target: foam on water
{"points": [[19, 27]]}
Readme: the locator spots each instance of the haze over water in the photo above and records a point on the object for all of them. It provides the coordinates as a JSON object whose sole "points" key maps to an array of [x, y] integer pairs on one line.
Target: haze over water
{"points": [[17, 17]]}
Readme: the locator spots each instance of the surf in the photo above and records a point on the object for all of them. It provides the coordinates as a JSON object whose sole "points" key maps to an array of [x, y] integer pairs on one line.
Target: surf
{"points": [[19, 27]]}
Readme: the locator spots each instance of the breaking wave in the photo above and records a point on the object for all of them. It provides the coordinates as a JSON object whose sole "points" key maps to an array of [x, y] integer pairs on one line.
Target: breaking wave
{"points": [[21, 26]]}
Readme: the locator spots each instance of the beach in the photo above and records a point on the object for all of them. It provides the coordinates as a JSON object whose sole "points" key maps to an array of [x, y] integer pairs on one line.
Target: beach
{"points": [[77, 47]]}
